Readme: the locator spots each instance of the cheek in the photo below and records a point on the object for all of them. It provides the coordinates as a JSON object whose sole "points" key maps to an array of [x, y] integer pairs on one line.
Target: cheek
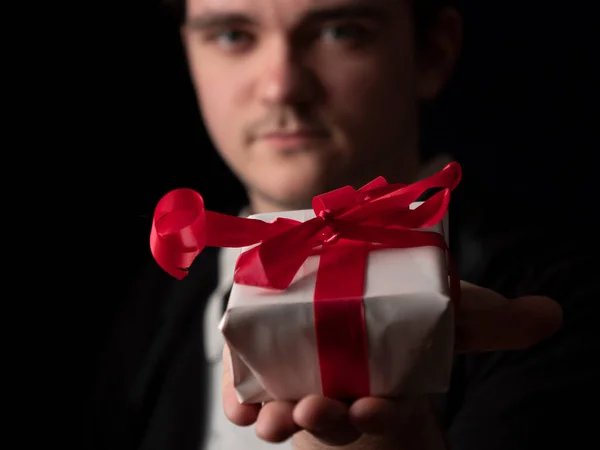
{"points": [[373, 92], [216, 95]]}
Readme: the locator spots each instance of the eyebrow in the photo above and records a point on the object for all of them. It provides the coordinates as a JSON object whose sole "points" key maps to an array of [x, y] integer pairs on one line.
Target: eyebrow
{"points": [[359, 10], [219, 20]]}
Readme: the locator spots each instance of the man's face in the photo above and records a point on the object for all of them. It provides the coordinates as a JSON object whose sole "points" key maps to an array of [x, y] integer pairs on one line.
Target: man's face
{"points": [[302, 96]]}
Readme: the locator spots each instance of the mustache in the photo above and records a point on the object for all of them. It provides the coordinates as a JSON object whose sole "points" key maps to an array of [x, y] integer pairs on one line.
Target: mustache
{"points": [[285, 121]]}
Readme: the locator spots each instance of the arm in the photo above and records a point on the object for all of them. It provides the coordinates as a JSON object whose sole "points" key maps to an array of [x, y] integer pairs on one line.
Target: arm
{"points": [[115, 411], [151, 385], [538, 397]]}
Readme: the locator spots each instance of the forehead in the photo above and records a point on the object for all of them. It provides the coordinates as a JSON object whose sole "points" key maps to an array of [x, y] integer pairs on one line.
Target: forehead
{"points": [[285, 10]]}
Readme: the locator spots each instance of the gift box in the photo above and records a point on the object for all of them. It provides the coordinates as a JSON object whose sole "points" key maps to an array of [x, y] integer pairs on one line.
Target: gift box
{"points": [[354, 297]]}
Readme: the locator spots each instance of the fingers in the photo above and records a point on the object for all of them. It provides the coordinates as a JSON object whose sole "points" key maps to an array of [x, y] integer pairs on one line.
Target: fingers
{"points": [[487, 321], [325, 419], [378, 415], [240, 414], [276, 422]]}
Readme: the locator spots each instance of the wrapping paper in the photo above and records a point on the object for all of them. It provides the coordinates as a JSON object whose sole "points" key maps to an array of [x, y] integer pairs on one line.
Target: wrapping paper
{"points": [[409, 323]]}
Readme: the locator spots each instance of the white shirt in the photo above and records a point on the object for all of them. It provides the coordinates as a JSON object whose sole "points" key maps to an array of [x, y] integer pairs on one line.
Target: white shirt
{"points": [[222, 434]]}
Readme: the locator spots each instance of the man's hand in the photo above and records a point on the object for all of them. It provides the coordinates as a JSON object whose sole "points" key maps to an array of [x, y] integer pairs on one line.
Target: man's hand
{"points": [[486, 321]]}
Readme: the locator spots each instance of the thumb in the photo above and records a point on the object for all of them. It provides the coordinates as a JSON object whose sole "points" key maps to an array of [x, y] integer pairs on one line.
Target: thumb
{"points": [[487, 321]]}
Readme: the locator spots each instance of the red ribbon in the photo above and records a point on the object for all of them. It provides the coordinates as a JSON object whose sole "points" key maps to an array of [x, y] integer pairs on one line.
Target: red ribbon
{"points": [[348, 225]]}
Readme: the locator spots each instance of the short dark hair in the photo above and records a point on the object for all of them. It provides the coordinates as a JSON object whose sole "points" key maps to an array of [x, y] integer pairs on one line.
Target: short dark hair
{"points": [[424, 11]]}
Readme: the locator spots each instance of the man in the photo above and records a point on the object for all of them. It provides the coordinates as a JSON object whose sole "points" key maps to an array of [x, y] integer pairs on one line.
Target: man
{"points": [[300, 97]]}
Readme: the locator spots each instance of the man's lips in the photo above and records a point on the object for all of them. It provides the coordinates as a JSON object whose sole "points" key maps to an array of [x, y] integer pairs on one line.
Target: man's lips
{"points": [[292, 138]]}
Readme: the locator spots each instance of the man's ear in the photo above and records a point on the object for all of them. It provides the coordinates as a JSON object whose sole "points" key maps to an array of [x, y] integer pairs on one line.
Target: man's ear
{"points": [[438, 53]]}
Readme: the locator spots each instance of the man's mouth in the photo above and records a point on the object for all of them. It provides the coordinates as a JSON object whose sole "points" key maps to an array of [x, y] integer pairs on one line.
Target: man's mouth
{"points": [[287, 139]]}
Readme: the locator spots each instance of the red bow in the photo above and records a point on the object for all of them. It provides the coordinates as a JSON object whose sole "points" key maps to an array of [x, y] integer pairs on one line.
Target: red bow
{"points": [[378, 213]]}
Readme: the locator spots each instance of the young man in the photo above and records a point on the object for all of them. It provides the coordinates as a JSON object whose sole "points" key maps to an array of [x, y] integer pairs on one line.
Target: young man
{"points": [[300, 97]]}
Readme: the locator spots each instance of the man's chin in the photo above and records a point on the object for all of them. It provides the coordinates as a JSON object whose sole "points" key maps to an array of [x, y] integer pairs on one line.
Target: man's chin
{"points": [[289, 196], [293, 184]]}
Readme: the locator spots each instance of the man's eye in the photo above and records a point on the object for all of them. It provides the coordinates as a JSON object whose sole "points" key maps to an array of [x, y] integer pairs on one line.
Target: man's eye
{"points": [[232, 39], [344, 32]]}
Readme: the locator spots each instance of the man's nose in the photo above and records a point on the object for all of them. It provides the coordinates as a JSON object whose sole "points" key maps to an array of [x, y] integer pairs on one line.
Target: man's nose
{"points": [[285, 78]]}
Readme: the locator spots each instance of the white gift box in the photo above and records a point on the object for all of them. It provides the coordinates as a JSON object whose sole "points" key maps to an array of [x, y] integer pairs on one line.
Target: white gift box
{"points": [[408, 315]]}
